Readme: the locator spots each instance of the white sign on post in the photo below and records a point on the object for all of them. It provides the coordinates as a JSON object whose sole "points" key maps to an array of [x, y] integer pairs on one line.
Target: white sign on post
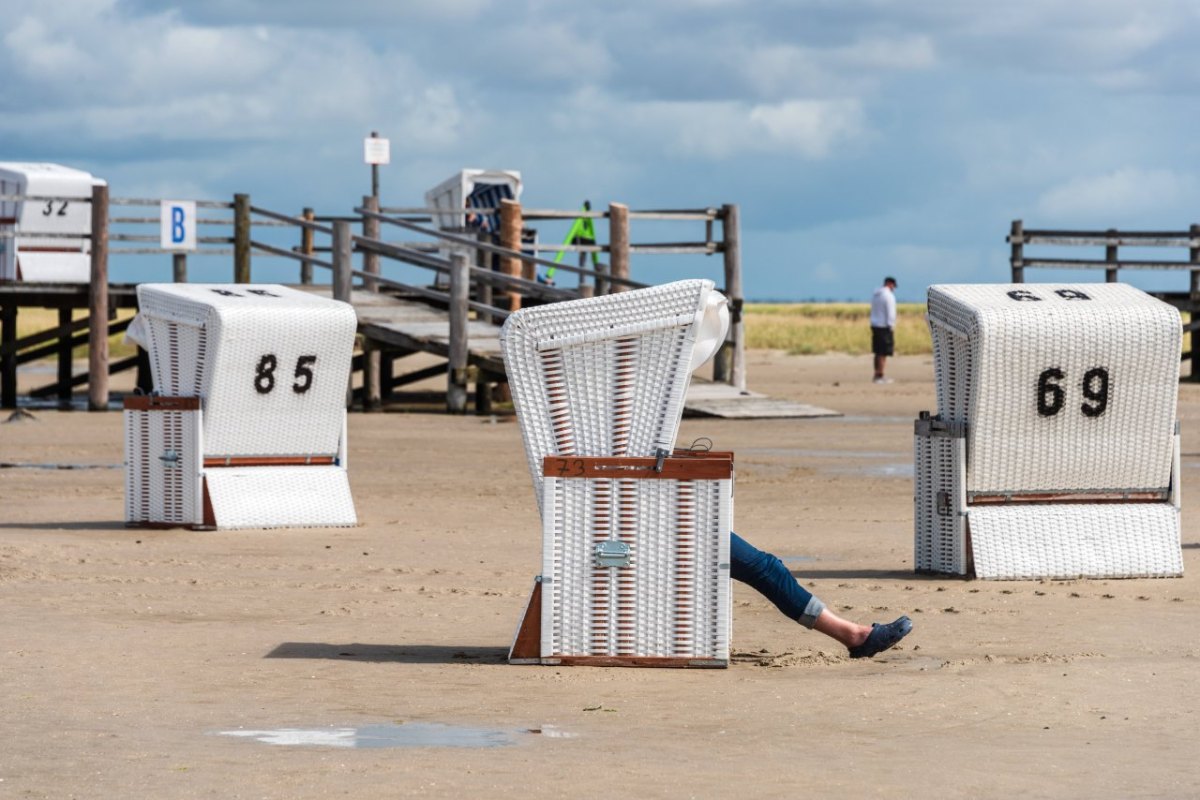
{"points": [[178, 225], [376, 150]]}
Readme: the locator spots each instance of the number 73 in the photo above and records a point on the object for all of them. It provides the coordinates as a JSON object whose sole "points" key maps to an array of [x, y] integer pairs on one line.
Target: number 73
{"points": [[1051, 397]]}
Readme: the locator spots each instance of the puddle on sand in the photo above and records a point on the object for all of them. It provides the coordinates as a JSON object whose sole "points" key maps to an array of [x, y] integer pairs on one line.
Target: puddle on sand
{"points": [[412, 734], [16, 465], [876, 471], [796, 452]]}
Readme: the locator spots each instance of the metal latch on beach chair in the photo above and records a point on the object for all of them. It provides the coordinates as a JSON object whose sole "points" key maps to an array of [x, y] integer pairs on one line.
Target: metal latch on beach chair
{"points": [[612, 553]]}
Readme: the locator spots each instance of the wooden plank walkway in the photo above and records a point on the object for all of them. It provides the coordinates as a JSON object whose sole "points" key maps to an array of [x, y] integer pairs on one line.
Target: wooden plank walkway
{"points": [[403, 324], [708, 399], [414, 325]]}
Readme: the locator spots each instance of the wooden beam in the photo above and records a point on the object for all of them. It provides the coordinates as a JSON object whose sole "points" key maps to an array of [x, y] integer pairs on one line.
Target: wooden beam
{"points": [[241, 238], [98, 303], [510, 239], [618, 244], [456, 382]]}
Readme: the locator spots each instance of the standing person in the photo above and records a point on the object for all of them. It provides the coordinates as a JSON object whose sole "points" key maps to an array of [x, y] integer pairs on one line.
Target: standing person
{"points": [[883, 326]]}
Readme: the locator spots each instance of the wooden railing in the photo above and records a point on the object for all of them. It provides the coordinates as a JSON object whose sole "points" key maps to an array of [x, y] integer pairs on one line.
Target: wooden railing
{"points": [[1112, 240], [449, 265]]}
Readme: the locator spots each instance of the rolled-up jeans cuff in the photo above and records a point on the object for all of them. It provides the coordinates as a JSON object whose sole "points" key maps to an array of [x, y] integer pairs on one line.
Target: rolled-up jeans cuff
{"points": [[811, 611]]}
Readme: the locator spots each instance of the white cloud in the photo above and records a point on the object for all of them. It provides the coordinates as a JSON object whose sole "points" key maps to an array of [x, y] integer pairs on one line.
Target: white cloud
{"points": [[119, 78], [790, 70], [1122, 194], [811, 128], [912, 52], [716, 130]]}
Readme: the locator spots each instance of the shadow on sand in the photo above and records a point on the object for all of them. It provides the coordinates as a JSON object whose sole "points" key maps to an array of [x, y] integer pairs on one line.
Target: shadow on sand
{"points": [[103, 525], [392, 653], [868, 574]]}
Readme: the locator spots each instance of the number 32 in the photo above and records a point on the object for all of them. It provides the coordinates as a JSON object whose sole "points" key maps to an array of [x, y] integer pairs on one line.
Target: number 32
{"points": [[1051, 397]]}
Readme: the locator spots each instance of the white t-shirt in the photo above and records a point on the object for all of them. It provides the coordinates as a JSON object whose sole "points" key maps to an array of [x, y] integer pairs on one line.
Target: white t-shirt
{"points": [[883, 308]]}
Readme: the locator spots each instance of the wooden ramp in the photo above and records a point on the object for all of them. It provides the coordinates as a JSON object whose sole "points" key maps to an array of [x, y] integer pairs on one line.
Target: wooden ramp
{"points": [[415, 325], [708, 399], [405, 324]]}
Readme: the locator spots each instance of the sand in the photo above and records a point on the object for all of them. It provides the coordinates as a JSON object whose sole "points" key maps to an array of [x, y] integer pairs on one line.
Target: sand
{"points": [[125, 653]]}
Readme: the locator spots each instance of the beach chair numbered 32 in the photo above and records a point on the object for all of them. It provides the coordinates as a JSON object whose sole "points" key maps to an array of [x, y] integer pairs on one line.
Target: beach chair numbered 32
{"points": [[1055, 449], [247, 425], [635, 536]]}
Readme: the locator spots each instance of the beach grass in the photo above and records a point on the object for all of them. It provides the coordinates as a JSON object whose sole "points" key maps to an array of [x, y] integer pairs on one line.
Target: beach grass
{"points": [[36, 320], [797, 328], [815, 328]]}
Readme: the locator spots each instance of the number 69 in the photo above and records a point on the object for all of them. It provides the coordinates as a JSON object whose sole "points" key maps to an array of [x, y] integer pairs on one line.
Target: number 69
{"points": [[1051, 396]]}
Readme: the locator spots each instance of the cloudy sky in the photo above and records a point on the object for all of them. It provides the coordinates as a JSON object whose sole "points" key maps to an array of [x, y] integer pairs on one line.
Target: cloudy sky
{"points": [[859, 137]]}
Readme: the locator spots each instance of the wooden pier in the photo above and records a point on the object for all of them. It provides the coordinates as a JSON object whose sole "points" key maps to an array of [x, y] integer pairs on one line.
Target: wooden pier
{"points": [[468, 282]]}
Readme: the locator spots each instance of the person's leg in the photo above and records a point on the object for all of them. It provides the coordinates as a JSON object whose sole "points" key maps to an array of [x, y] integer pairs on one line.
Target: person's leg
{"points": [[879, 347], [767, 574]]}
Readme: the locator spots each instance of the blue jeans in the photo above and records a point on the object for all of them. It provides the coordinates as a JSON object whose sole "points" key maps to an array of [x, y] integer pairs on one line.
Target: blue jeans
{"points": [[771, 578]]}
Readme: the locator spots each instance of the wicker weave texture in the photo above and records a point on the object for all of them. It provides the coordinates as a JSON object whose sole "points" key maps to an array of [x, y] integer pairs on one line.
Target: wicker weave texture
{"points": [[162, 467], [603, 376], [1072, 391], [281, 497], [938, 530], [1065, 540], [271, 363], [671, 600]]}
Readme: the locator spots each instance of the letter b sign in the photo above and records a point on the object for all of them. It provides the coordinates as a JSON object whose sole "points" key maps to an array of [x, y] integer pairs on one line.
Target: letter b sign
{"points": [[178, 225]]}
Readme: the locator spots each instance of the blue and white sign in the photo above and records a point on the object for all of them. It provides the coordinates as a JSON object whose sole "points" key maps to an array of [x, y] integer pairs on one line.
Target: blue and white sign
{"points": [[178, 225]]}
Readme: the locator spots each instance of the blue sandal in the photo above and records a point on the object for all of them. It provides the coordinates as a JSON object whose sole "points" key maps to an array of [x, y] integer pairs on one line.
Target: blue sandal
{"points": [[882, 637]]}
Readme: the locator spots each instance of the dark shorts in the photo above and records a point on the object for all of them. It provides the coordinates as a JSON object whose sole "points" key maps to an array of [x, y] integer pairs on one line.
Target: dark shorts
{"points": [[882, 341]]}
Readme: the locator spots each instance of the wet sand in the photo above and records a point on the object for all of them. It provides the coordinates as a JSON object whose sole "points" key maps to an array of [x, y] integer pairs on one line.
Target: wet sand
{"points": [[125, 654]]}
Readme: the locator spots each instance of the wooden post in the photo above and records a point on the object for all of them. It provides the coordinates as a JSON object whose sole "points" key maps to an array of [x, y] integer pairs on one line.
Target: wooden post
{"points": [[510, 239], [483, 395], [306, 247], [729, 366], [1110, 256], [343, 260], [1194, 298], [387, 359], [484, 291], [241, 238], [8, 354], [372, 379], [456, 385], [618, 244], [179, 267], [65, 369], [98, 304], [372, 389], [370, 226], [343, 263], [375, 177], [1016, 237], [603, 287]]}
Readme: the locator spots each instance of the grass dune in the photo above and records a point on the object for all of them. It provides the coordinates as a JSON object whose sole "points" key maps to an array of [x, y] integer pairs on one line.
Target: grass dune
{"points": [[814, 328]]}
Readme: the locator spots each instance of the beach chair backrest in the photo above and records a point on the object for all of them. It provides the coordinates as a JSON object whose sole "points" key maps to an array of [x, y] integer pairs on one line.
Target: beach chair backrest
{"points": [[607, 376]]}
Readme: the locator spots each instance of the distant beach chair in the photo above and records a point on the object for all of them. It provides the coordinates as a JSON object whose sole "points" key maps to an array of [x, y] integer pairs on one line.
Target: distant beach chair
{"points": [[247, 424], [635, 534], [1055, 450]]}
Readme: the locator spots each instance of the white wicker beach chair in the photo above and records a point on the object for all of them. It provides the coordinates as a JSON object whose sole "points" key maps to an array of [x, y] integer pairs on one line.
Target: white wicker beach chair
{"points": [[635, 539], [267, 368], [1054, 452]]}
